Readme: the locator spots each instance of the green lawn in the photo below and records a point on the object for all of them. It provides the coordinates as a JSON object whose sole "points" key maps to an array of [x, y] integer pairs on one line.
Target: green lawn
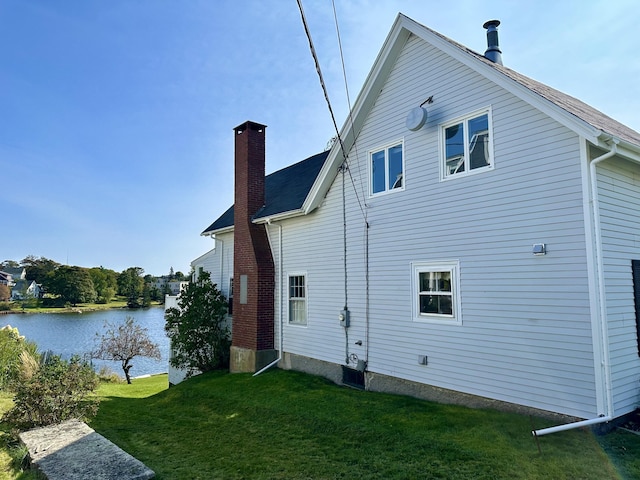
{"points": [[283, 425]]}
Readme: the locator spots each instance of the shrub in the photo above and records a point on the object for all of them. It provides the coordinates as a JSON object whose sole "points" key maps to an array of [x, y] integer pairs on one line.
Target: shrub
{"points": [[12, 345], [200, 338], [52, 392]]}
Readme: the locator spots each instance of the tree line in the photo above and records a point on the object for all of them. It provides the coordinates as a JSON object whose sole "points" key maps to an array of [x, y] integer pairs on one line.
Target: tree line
{"points": [[67, 284]]}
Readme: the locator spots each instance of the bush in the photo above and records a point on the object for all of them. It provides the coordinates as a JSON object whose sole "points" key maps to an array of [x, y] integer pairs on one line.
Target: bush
{"points": [[200, 337], [52, 391], [5, 306], [12, 345]]}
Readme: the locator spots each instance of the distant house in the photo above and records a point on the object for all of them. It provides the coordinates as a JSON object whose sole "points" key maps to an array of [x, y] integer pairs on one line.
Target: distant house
{"points": [[473, 238], [6, 279], [15, 273], [25, 289]]}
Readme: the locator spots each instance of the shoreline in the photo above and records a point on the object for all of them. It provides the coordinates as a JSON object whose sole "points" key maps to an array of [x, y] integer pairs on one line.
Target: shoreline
{"points": [[78, 310]]}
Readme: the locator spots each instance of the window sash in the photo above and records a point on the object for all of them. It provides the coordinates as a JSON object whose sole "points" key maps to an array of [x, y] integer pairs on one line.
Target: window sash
{"points": [[297, 300], [387, 169], [467, 145], [435, 292]]}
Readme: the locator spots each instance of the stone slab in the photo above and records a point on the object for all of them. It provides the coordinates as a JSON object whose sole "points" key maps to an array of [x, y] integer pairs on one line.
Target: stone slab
{"points": [[74, 451]]}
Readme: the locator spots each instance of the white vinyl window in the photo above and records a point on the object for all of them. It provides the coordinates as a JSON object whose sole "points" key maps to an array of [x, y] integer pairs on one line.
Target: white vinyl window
{"points": [[386, 169], [436, 292], [466, 144], [297, 300]]}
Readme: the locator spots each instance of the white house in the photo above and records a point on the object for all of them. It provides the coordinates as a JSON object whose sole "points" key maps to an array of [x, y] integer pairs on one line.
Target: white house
{"points": [[25, 289], [472, 238]]}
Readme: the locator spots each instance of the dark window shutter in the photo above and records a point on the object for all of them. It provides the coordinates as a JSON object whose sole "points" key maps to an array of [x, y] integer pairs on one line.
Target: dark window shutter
{"points": [[635, 272]]}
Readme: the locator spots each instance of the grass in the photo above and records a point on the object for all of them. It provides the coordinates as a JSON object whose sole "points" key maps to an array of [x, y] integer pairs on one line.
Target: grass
{"points": [[118, 302], [284, 425]]}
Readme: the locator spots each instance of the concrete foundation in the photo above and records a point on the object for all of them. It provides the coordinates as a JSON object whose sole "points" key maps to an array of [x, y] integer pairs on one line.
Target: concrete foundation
{"points": [[244, 360], [376, 382]]}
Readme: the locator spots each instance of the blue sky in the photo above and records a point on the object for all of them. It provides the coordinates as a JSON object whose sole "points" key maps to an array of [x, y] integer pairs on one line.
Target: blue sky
{"points": [[116, 117]]}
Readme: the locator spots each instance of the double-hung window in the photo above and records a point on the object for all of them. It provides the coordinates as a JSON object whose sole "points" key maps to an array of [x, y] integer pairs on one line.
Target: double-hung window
{"points": [[386, 166], [297, 300], [467, 145], [436, 292]]}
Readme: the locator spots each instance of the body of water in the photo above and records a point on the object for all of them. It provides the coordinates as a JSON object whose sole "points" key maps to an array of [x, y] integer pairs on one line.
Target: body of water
{"points": [[67, 334]]}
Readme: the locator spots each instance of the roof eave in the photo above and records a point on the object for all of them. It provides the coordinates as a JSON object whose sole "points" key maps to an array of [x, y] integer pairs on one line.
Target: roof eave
{"points": [[280, 216], [210, 233]]}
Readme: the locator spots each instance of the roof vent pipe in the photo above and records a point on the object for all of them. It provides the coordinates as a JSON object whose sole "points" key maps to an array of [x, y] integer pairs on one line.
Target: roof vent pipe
{"points": [[493, 52]]}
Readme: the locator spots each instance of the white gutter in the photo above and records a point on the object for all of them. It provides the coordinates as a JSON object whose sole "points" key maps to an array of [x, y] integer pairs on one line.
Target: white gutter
{"points": [[281, 312], [604, 330]]}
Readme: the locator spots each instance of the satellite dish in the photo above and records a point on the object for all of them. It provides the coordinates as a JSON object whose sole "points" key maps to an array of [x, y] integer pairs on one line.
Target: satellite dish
{"points": [[416, 118]]}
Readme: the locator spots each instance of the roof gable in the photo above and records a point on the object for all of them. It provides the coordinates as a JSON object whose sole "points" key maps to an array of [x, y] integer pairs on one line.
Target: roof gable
{"points": [[285, 192], [579, 117]]}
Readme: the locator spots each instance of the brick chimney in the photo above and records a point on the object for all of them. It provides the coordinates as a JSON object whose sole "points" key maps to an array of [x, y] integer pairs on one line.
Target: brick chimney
{"points": [[253, 271]]}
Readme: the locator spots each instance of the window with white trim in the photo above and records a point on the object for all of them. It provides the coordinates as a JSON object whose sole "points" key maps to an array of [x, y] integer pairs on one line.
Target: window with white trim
{"points": [[297, 300], [466, 145], [436, 291], [386, 168]]}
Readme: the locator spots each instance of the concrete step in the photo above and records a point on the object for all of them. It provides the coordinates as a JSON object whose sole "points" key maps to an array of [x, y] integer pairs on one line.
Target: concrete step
{"points": [[74, 451]]}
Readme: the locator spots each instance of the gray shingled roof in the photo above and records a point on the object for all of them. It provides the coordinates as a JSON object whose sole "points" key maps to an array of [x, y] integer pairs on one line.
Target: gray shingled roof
{"points": [[285, 191], [570, 104]]}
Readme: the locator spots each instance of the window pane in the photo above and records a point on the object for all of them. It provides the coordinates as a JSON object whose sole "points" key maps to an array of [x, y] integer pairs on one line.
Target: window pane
{"points": [[395, 167], [435, 281], [454, 149], [377, 172], [436, 304], [479, 142]]}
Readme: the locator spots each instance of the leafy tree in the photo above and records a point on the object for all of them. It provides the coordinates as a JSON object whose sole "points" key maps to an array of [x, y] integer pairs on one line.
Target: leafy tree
{"points": [[146, 295], [171, 274], [51, 390], [72, 284], [130, 285], [9, 264], [105, 282], [124, 342], [5, 293], [200, 339], [38, 268]]}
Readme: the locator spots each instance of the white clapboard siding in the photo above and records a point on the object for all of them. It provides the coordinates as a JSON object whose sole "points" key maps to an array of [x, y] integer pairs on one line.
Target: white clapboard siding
{"points": [[619, 200], [526, 328], [218, 262]]}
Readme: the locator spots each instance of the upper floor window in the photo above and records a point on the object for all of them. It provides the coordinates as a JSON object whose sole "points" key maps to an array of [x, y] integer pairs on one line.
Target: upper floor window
{"points": [[467, 145], [386, 167]]}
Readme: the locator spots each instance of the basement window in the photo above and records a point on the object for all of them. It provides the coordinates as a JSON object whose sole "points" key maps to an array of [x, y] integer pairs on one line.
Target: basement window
{"points": [[386, 167], [466, 145], [297, 300]]}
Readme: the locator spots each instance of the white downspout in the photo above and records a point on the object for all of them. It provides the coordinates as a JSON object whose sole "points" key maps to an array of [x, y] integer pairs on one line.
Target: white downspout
{"points": [[280, 313], [604, 330]]}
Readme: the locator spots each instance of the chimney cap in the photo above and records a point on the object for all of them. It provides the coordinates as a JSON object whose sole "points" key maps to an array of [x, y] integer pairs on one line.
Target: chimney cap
{"points": [[491, 23], [249, 125]]}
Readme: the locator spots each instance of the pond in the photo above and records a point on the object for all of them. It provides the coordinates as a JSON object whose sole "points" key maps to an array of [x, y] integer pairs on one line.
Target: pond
{"points": [[67, 334]]}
